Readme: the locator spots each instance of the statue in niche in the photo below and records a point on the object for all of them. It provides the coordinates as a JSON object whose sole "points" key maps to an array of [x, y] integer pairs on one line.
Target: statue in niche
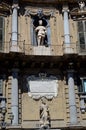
{"points": [[82, 5], [44, 114], [41, 33]]}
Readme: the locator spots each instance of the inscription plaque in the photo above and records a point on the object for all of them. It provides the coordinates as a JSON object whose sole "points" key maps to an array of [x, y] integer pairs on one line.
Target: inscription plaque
{"points": [[43, 88]]}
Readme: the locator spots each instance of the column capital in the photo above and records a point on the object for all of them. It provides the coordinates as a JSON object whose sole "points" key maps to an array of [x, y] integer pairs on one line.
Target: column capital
{"points": [[65, 8], [15, 6]]}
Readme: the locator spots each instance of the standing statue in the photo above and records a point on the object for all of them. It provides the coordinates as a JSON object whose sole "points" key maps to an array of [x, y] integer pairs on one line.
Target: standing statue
{"points": [[82, 5], [41, 33], [44, 114]]}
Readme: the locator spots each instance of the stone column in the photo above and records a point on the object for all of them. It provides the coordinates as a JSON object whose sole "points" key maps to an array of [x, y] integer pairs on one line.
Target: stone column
{"points": [[67, 40], [14, 100], [72, 101], [66, 25], [14, 44]]}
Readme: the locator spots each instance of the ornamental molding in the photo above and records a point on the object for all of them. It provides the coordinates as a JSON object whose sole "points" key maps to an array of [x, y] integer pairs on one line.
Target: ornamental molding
{"points": [[40, 12]]}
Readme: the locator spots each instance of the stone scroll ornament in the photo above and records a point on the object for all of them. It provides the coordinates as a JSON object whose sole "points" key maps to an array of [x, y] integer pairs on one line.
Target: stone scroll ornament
{"points": [[39, 13]]}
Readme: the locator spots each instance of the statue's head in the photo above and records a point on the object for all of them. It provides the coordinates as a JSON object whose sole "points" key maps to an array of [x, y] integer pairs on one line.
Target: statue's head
{"points": [[43, 100]]}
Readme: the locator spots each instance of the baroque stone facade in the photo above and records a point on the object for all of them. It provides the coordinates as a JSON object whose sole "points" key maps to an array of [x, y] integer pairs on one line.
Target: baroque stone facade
{"points": [[42, 64]]}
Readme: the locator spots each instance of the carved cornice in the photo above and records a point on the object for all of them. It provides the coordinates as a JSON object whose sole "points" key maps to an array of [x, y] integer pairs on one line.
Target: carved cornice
{"points": [[39, 12]]}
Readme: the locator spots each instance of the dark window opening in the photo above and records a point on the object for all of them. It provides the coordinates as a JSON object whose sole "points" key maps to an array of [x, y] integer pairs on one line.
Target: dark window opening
{"points": [[1, 87], [82, 34], [1, 32], [82, 85]]}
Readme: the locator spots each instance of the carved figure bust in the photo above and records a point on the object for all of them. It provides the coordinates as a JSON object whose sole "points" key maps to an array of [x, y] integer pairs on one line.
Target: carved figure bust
{"points": [[41, 33]]}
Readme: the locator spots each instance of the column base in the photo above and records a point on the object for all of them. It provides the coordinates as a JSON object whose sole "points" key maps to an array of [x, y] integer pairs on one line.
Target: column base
{"points": [[14, 48], [75, 126], [82, 110], [68, 49]]}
